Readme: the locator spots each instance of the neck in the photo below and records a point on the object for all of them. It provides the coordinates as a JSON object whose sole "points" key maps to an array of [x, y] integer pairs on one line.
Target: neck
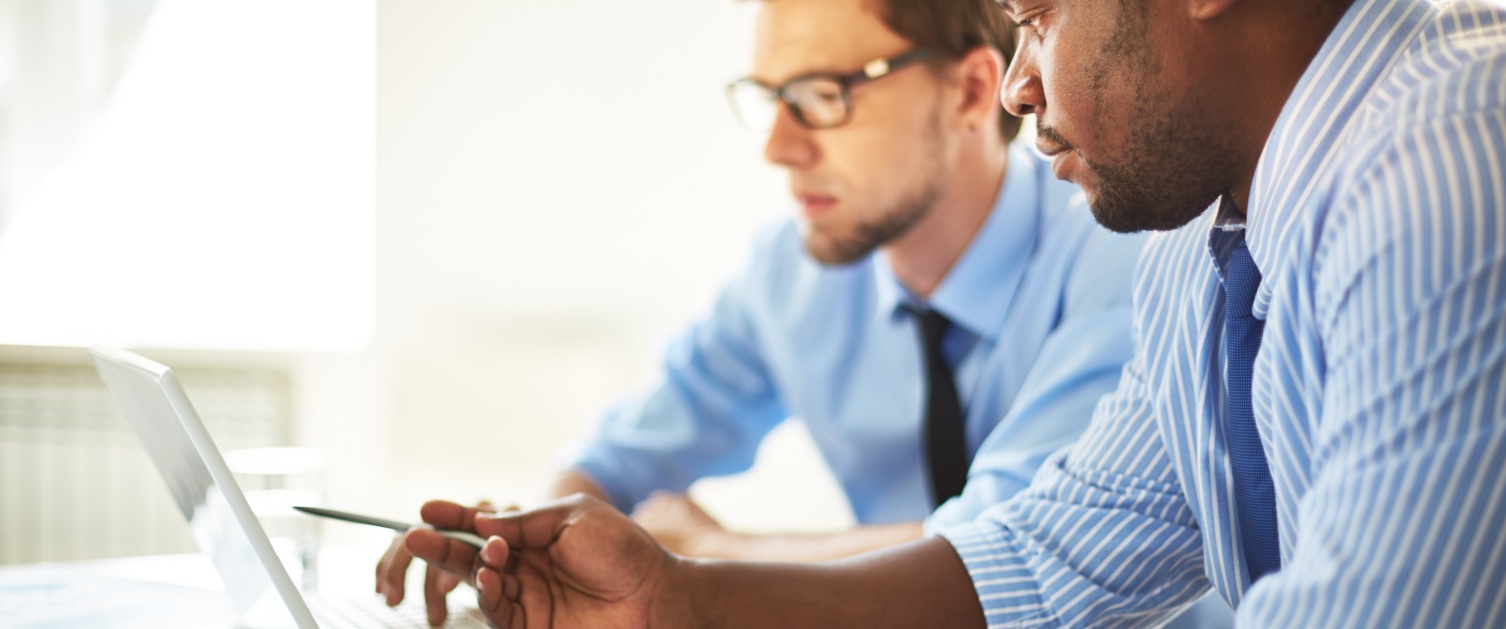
{"points": [[923, 256], [1272, 67]]}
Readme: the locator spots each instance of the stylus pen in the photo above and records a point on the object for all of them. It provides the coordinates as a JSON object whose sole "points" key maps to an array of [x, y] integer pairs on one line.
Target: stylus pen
{"points": [[401, 527]]}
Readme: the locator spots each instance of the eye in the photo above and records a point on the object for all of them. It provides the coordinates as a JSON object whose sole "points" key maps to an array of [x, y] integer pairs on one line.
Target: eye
{"points": [[1032, 23]]}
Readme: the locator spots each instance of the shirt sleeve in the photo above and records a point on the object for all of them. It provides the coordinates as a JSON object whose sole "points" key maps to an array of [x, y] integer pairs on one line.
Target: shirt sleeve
{"points": [[714, 404], [1078, 364], [1102, 537], [1401, 526]]}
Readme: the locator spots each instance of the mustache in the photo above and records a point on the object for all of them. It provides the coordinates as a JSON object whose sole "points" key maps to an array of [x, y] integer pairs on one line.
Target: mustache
{"points": [[1051, 135]]}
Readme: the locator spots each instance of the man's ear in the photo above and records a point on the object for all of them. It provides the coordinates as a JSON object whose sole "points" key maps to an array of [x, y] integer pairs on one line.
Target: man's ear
{"points": [[979, 74]]}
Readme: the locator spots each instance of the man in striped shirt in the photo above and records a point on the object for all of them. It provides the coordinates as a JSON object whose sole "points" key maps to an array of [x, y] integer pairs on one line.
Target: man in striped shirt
{"points": [[1314, 424]]}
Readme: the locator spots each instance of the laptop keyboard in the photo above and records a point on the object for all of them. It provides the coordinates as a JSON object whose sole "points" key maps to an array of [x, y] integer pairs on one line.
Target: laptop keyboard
{"points": [[363, 612]]}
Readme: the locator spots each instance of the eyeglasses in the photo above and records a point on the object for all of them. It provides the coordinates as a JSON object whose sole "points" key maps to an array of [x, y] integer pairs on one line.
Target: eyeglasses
{"points": [[817, 101]]}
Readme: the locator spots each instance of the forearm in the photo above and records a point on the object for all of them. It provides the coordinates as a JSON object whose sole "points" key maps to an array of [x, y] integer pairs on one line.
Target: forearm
{"points": [[921, 584], [806, 548]]}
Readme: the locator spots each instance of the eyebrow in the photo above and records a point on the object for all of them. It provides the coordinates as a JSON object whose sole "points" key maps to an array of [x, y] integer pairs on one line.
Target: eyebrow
{"points": [[1010, 7]]}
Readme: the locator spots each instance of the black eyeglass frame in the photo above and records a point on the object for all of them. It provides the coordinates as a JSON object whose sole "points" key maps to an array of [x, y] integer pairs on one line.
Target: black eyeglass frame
{"points": [[871, 71]]}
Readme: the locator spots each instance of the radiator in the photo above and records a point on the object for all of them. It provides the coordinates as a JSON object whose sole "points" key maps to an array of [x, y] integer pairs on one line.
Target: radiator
{"points": [[74, 480]]}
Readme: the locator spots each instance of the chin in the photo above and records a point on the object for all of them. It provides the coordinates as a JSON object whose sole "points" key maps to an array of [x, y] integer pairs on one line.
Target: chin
{"points": [[829, 251], [1128, 218]]}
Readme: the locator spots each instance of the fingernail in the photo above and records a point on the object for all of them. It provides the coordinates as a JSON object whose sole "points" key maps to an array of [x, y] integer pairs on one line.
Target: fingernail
{"points": [[486, 551]]}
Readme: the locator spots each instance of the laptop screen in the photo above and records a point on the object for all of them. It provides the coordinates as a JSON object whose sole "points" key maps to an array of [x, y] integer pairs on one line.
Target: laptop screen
{"points": [[219, 518]]}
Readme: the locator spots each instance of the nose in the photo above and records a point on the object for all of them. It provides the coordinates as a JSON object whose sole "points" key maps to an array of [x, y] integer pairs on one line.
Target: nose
{"points": [[789, 144], [1022, 90]]}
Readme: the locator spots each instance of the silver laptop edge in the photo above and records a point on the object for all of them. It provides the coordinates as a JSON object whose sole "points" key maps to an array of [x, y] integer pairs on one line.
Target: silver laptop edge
{"points": [[219, 517]]}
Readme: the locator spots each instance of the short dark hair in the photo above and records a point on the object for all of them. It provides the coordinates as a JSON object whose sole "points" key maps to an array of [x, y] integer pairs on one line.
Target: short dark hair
{"points": [[951, 29]]}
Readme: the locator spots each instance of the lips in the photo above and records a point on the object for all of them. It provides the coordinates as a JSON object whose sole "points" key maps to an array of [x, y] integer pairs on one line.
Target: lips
{"points": [[1059, 155], [1048, 149], [812, 204]]}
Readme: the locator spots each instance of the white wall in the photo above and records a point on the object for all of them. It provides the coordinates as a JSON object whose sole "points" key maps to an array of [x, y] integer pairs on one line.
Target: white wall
{"points": [[222, 199], [560, 185]]}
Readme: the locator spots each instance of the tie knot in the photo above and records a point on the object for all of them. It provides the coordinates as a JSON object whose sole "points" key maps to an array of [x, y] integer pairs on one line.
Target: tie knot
{"points": [[933, 325]]}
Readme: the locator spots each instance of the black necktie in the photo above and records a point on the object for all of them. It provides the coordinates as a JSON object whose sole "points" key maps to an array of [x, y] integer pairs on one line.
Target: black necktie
{"points": [[946, 443], [1254, 496]]}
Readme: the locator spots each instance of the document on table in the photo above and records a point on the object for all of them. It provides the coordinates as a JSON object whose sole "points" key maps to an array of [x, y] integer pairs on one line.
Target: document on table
{"points": [[50, 597]]}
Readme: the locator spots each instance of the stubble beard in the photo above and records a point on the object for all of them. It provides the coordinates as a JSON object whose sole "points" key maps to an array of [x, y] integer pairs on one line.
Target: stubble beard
{"points": [[1174, 168], [1172, 176]]}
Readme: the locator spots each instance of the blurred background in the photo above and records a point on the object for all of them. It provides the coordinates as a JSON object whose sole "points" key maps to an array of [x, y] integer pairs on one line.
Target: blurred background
{"points": [[433, 239]]}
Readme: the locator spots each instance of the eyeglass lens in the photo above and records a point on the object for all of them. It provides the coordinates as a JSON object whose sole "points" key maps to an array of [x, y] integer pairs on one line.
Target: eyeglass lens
{"points": [[816, 102]]}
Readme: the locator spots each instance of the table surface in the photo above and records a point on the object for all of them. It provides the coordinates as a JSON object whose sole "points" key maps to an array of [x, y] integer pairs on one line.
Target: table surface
{"points": [[164, 590]]}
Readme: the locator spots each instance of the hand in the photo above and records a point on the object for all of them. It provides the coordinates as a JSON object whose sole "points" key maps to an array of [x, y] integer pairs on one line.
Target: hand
{"points": [[392, 572], [576, 563], [679, 524]]}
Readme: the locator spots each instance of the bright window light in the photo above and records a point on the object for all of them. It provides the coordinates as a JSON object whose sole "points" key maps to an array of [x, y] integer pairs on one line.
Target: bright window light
{"points": [[224, 200]]}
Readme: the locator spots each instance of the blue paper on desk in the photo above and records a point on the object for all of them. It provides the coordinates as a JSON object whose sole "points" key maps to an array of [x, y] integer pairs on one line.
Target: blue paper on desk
{"points": [[43, 597]]}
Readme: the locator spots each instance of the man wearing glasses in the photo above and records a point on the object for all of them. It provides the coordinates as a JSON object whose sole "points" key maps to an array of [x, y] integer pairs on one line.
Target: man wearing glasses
{"points": [[939, 302]]}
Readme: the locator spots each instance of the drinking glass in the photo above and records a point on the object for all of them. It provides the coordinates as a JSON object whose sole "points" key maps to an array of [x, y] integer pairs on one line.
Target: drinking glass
{"points": [[274, 481]]}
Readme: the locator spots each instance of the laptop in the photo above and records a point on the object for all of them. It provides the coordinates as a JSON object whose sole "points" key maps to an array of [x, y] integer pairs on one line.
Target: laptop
{"points": [[219, 518]]}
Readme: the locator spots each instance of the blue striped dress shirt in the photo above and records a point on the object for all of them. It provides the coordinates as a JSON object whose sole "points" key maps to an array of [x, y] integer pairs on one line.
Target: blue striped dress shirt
{"points": [[1378, 219]]}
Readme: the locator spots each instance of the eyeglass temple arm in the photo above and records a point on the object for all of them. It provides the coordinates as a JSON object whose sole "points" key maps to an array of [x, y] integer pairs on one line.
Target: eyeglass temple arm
{"points": [[879, 68]]}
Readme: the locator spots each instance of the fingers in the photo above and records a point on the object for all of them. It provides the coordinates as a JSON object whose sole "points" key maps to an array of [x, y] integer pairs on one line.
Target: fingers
{"points": [[449, 555], [435, 589], [497, 598], [533, 529], [448, 515], [497, 589], [495, 553], [489, 596], [448, 582], [392, 571]]}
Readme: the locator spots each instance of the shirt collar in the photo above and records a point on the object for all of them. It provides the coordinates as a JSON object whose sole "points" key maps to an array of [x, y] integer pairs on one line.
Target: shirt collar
{"points": [[977, 292], [1364, 45], [1228, 230], [1229, 217]]}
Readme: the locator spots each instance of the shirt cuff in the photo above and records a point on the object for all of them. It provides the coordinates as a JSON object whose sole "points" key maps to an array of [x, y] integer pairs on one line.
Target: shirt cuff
{"points": [[1007, 587]]}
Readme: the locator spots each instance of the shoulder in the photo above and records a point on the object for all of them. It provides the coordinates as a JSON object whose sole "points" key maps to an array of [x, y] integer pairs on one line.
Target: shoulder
{"points": [[1436, 123], [1449, 83], [1453, 68], [1416, 198]]}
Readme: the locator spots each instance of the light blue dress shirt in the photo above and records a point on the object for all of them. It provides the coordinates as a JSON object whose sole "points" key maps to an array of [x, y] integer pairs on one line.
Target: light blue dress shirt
{"points": [[1041, 307], [1378, 219]]}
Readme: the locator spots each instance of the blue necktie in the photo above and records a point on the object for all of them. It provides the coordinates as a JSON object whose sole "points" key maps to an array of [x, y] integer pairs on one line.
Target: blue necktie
{"points": [[1254, 496]]}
